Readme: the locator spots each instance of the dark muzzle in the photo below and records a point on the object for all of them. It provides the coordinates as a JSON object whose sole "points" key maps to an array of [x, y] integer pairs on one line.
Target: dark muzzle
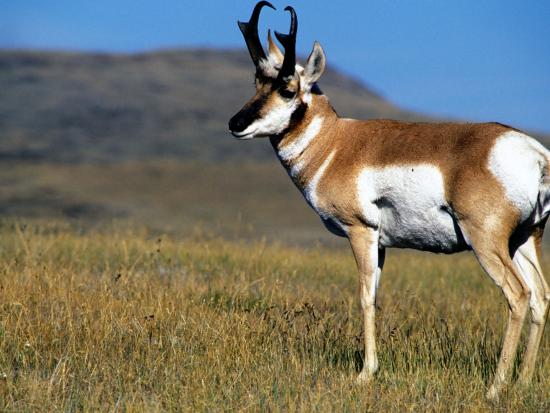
{"points": [[238, 123]]}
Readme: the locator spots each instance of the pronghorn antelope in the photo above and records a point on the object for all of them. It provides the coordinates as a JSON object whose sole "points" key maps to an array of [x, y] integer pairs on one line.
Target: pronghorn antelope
{"points": [[439, 187]]}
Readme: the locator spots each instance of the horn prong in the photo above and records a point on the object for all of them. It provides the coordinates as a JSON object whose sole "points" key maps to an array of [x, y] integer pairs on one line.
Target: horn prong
{"points": [[250, 32]]}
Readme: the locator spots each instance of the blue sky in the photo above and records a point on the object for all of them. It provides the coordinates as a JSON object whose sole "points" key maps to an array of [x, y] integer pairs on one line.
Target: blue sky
{"points": [[476, 60]]}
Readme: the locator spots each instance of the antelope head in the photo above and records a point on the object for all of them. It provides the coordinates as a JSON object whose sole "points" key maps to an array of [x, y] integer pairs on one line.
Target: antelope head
{"points": [[283, 88]]}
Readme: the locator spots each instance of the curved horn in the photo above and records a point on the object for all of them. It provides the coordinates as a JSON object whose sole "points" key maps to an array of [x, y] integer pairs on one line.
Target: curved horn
{"points": [[250, 33], [289, 43]]}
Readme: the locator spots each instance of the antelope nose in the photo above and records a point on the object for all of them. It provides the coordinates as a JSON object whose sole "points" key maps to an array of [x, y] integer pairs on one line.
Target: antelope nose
{"points": [[237, 123]]}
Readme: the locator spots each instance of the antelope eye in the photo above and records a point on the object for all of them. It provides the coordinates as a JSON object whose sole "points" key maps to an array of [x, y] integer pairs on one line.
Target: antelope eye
{"points": [[287, 94]]}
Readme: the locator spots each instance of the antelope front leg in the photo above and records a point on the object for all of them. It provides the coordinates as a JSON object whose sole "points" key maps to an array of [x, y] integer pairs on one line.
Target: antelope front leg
{"points": [[364, 243]]}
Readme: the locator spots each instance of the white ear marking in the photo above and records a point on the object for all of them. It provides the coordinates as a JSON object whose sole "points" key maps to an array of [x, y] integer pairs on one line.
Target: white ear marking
{"points": [[315, 66]]}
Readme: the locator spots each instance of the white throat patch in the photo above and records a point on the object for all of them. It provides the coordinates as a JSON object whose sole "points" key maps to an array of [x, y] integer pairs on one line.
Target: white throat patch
{"points": [[295, 148]]}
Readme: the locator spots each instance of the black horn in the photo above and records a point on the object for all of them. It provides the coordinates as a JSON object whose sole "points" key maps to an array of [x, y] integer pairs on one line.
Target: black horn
{"points": [[289, 43], [250, 33]]}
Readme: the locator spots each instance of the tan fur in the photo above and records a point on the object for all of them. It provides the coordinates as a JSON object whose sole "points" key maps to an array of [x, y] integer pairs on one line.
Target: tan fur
{"points": [[460, 151]]}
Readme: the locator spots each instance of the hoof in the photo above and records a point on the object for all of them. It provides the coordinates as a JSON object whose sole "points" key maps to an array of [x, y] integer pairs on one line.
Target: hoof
{"points": [[363, 378], [523, 382], [492, 394]]}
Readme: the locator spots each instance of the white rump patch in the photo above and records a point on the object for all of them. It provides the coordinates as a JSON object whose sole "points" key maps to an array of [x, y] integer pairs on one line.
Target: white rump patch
{"points": [[518, 162], [293, 149], [407, 204]]}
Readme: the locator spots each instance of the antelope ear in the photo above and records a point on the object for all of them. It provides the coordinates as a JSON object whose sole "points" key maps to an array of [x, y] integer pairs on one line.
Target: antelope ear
{"points": [[315, 66], [274, 51]]}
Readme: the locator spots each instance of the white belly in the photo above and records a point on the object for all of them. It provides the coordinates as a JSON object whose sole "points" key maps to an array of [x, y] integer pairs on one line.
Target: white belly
{"points": [[407, 204]]}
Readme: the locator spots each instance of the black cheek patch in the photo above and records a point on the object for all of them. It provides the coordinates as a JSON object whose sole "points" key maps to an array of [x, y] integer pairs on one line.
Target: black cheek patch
{"points": [[315, 89], [298, 115]]}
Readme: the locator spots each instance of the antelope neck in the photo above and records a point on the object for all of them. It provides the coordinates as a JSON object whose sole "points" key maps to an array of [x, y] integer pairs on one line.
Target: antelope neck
{"points": [[300, 143]]}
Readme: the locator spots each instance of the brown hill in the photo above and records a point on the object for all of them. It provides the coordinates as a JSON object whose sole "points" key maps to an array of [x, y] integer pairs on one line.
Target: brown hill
{"points": [[103, 107]]}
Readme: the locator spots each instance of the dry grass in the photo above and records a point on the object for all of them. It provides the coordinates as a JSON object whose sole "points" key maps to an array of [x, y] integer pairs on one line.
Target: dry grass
{"points": [[119, 318]]}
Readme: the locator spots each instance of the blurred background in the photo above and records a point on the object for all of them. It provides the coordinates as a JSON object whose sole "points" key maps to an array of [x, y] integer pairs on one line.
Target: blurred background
{"points": [[118, 110]]}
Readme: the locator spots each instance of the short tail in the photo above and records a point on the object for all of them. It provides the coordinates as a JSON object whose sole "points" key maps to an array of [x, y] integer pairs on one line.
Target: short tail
{"points": [[542, 209]]}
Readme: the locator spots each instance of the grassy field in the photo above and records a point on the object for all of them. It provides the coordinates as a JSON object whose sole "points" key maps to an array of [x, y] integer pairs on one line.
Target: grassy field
{"points": [[125, 319]]}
